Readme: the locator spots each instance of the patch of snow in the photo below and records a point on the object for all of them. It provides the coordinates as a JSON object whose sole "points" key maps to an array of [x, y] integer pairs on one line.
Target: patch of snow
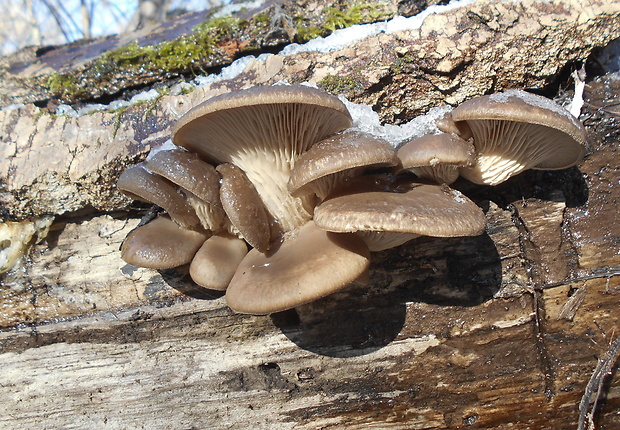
{"points": [[145, 96], [577, 102], [233, 70], [66, 110], [236, 7], [346, 36], [168, 145], [367, 120], [13, 106]]}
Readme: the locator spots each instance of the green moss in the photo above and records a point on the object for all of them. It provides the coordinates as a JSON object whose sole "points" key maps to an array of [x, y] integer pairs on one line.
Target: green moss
{"points": [[261, 19], [402, 62], [62, 85], [335, 19], [338, 84], [117, 120]]}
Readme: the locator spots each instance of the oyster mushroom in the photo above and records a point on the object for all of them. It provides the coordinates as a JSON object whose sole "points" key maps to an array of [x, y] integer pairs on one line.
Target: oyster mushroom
{"points": [[263, 130], [514, 131], [334, 160], [140, 184], [437, 157], [311, 263], [217, 260], [161, 244], [388, 219], [244, 208], [198, 181]]}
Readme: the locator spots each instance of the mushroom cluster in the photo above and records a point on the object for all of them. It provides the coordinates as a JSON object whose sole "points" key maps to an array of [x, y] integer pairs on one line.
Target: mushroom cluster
{"points": [[271, 196]]}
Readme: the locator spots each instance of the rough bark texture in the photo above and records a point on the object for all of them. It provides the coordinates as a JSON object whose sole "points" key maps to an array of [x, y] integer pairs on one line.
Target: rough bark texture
{"points": [[497, 331]]}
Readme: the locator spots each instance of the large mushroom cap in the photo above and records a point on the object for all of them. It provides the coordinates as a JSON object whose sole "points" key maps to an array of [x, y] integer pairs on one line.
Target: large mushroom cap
{"points": [[263, 130], [334, 159], [310, 264], [515, 131], [437, 156], [428, 210], [161, 244]]}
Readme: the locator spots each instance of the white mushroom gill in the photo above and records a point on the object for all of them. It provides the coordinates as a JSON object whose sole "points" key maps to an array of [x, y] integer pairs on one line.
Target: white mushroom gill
{"points": [[507, 148]]}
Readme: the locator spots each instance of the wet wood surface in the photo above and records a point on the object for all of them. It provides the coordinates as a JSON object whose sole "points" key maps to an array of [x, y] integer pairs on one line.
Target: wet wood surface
{"points": [[498, 331]]}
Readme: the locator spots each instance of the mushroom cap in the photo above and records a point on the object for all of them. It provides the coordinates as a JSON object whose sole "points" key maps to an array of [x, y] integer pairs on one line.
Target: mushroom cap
{"points": [[198, 180], [244, 207], [263, 130], [437, 156], [286, 119], [427, 210], [161, 244], [436, 149], [140, 184], [316, 169], [311, 263], [217, 260], [514, 131]]}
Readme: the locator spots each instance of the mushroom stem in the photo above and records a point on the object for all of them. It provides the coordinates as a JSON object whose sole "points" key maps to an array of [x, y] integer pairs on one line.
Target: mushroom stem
{"points": [[270, 176]]}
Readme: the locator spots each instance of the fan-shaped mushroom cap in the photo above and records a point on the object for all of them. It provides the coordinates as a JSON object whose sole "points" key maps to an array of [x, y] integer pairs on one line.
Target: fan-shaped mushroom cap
{"points": [[263, 130], [217, 260], [310, 264], [138, 183], [198, 180], [333, 160], [161, 244], [427, 210], [244, 207], [514, 131], [437, 157]]}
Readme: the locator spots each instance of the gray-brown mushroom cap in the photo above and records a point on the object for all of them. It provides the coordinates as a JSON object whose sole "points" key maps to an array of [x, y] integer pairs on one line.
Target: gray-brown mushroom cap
{"points": [[198, 181], [263, 130], [310, 264], [161, 244], [244, 207], [437, 157], [140, 184], [428, 210], [217, 260], [333, 160], [515, 131]]}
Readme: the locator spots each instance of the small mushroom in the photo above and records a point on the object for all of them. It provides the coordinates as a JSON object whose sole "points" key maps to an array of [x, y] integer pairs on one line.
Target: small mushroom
{"points": [[198, 181], [387, 219], [437, 157], [332, 161], [310, 263], [263, 130], [217, 260], [514, 131], [138, 183], [161, 244], [244, 207]]}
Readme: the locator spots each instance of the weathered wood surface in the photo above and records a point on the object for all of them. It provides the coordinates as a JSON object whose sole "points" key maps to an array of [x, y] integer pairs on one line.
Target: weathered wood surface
{"points": [[485, 332]]}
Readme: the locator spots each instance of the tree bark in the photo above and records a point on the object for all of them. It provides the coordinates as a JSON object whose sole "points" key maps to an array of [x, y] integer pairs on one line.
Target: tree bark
{"points": [[496, 331]]}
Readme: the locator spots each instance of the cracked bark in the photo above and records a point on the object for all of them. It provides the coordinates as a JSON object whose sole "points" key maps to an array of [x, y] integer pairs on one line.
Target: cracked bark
{"points": [[493, 331]]}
